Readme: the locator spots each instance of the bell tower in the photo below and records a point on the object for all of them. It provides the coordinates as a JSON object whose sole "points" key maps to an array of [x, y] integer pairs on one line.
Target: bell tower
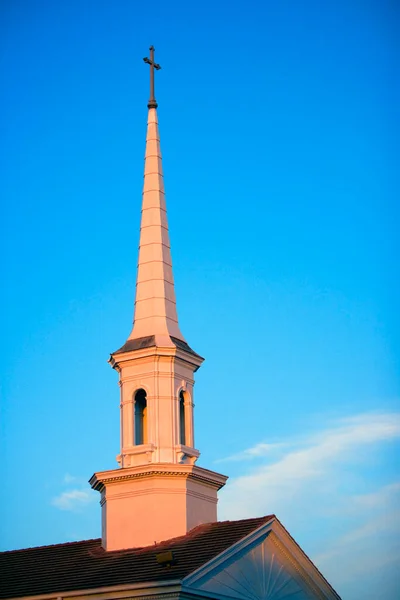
{"points": [[158, 492]]}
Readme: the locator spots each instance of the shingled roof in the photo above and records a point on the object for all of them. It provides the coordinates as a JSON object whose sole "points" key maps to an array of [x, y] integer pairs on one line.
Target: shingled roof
{"points": [[85, 565]]}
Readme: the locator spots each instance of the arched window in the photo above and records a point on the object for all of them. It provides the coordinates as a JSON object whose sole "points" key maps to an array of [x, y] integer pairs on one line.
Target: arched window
{"points": [[182, 428], [140, 417]]}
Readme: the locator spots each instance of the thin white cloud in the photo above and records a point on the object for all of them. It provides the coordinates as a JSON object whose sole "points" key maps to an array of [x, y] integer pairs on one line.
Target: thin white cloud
{"points": [[382, 498], [344, 433], [309, 458], [69, 478], [257, 451], [364, 550], [378, 525], [73, 499], [76, 497]]}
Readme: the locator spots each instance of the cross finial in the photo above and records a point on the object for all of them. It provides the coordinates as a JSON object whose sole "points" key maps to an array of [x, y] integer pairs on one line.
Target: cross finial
{"points": [[150, 61]]}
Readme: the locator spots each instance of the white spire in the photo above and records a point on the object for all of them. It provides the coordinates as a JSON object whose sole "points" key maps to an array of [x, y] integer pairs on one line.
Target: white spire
{"points": [[155, 304]]}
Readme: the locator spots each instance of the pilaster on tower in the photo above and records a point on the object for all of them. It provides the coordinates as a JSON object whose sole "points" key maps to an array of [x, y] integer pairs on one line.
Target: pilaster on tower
{"points": [[159, 492]]}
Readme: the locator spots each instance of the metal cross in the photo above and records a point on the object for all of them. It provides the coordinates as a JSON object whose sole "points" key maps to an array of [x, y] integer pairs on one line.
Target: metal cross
{"points": [[150, 61]]}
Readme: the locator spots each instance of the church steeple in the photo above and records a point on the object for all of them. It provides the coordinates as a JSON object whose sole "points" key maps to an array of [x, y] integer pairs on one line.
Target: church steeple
{"points": [[151, 434], [155, 311], [155, 304], [159, 492]]}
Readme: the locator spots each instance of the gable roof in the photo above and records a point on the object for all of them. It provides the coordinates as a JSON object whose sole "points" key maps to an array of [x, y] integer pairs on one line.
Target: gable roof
{"points": [[85, 565]]}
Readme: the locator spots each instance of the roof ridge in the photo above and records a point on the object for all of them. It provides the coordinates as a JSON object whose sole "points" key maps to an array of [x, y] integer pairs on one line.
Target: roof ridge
{"points": [[207, 526], [198, 528], [50, 545], [263, 517], [203, 527]]}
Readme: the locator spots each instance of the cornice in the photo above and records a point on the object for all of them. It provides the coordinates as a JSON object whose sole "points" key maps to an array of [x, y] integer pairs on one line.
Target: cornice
{"points": [[116, 360], [99, 481]]}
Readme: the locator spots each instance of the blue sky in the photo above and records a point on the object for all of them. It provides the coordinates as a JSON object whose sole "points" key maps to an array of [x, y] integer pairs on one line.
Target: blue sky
{"points": [[279, 133]]}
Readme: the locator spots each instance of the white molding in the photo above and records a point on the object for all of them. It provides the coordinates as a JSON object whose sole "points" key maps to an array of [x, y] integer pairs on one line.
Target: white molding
{"points": [[296, 563], [99, 480], [148, 590]]}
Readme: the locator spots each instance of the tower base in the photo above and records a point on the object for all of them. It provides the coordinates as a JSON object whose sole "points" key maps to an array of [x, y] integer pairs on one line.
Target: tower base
{"points": [[151, 503]]}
